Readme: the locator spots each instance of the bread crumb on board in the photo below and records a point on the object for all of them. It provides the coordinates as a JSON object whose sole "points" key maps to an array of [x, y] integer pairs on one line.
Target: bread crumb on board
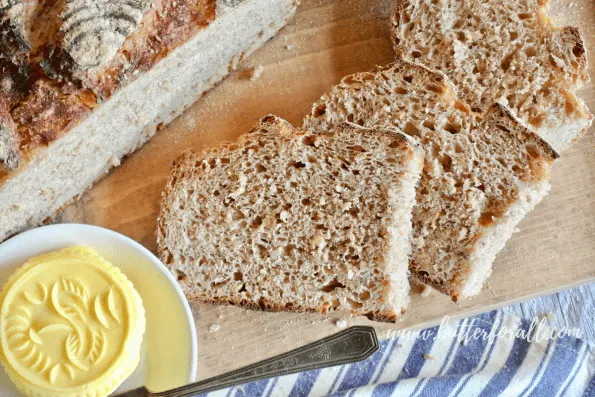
{"points": [[214, 327], [427, 356], [341, 323], [256, 72]]}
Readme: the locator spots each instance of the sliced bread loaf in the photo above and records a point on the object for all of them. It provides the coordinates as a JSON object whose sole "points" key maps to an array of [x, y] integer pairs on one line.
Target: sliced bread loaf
{"points": [[71, 109], [505, 51], [481, 175], [290, 220]]}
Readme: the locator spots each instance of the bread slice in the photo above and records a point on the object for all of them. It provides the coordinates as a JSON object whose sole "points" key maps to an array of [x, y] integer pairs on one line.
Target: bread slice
{"points": [[289, 220], [481, 174], [505, 51], [64, 124]]}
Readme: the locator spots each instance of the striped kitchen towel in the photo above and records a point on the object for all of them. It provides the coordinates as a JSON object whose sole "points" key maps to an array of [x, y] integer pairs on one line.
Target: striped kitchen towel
{"points": [[493, 354]]}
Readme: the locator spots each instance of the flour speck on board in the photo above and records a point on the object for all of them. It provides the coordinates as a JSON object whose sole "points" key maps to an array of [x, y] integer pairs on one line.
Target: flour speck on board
{"points": [[256, 72], [214, 327]]}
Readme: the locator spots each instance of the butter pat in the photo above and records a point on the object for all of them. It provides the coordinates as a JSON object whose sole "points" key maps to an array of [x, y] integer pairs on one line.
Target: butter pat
{"points": [[71, 324]]}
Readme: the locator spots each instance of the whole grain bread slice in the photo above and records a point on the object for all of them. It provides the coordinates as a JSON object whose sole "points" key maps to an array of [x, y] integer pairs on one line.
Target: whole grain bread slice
{"points": [[481, 174], [291, 220], [505, 51]]}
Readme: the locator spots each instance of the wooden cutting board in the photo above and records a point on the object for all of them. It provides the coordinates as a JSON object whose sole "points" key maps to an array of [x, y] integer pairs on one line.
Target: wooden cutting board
{"points": [[554, 249]]}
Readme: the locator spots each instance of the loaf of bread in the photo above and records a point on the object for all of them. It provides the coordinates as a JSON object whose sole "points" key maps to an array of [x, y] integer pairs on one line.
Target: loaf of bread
{"points": [[505, 51], [291, 220], [481, 174], [83, 83]]}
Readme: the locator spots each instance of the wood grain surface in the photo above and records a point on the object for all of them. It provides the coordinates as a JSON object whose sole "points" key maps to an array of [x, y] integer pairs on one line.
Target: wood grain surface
{"points": [[328, 39]]}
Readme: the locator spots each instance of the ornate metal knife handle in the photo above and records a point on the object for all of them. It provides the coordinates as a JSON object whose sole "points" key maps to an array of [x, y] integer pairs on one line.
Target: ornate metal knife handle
{"points": [[348, 346]]}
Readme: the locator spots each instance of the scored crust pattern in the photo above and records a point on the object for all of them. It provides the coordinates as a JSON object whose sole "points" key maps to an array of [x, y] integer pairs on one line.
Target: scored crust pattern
{"points": [[94, 30]]}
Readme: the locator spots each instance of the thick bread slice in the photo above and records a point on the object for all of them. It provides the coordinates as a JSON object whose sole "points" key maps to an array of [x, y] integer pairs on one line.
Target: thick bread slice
{"points": [[505, 51], [290, 220], [481, 175], [60, 136]]}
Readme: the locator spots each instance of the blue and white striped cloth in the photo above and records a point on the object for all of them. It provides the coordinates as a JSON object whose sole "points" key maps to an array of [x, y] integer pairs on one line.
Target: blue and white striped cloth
{"points": [[493, 354]]}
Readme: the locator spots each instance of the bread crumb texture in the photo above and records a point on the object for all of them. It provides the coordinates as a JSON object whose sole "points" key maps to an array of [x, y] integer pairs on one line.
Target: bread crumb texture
{"points": [[481, 174], [505, 51], [290, 220]]}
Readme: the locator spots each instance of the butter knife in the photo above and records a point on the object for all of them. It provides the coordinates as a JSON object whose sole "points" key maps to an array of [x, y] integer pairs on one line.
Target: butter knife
{"points": [[348, 346]]}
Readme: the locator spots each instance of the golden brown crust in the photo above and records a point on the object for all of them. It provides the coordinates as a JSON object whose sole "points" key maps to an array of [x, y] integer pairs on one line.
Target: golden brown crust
{"points": [[46, 97], [49, 111], [161, 31], [268, 306], [499, 114]]}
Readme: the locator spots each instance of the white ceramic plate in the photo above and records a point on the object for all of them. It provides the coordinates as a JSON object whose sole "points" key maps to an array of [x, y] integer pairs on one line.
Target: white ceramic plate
{"points": [[169, 351]]}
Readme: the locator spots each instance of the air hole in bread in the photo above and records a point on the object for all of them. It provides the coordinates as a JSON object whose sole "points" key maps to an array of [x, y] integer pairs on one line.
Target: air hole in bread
{"points": [[486, 219], [569, 106], [461, 37], [438, 89], [237, 215], [256, 222], [310, 140], [181, 276], [411, 129], [400, 90], [452, 128], [260, 168], [505, 62], [350, 117], [537, 120], [415, 54], [353, 304], [306, 201], [429, 124], [446, 162], [333, 285], [408, 79], [219, 284], [262, 303], [525, 15], [238, 276], [578, 50], [357, 148], [530, 51], [396, 144], [320, 110], [297, 164]]}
